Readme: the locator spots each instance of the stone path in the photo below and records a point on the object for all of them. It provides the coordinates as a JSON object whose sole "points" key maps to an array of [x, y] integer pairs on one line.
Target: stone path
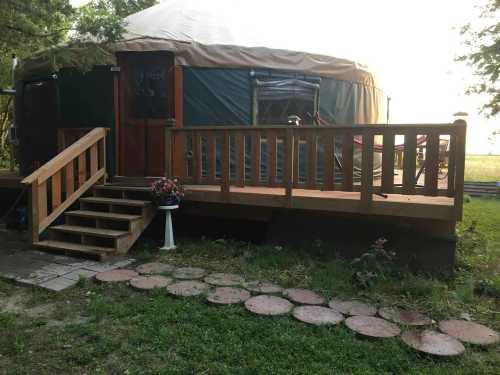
{"points": [[49, 271]]}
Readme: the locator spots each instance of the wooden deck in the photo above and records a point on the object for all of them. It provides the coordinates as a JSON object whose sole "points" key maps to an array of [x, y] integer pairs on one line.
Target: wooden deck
{"points": [[416, 206]]}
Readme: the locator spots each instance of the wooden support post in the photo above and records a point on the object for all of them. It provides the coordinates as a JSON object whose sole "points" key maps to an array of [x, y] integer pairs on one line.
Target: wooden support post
{"points": [[70, 179], [42, 201], [329, 161], [347, 161], [409, 162], [367, 172], [33, 217], [312, 155], [56, 189], [289, 166], [271, 158], [451, 165], [197, 157], [225, 160], [211, 158], [388, 162], [240, 159], [82, 168], [255, 162], [431, 164], [93, 159], [460, 167]]}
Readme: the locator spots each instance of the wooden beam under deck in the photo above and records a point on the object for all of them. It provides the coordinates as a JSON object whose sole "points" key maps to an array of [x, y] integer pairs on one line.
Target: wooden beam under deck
{"points": [[416, 206]]}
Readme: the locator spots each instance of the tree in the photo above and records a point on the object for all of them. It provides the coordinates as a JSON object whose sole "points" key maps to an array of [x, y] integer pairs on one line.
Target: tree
{"points": [[484, 56]]}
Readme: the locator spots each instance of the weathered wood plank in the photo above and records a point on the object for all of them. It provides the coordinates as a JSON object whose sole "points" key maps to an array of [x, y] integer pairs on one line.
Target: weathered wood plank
{"points": [[181, 147], [388, 162], [451, 165], [197, 157], [69, 179], [296, 156], [460, 167], [347, 161], [42, 201], [82, 168], [225, 167], [56, 189], [312, 156], [288, 166], [409, 162], [431, 164], [93, 159], [211, 158], [329, 160], [367, 172], [255, 158], [240, 158], [271, 158]]}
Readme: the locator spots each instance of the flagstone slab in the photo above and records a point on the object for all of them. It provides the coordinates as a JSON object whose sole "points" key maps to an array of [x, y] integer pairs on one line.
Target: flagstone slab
{"points": [[352, 307], [263, 287], [188, 273], [268, 305], [317, 315], [57, 284], [187, 288], [303, 296], [224, 279], [228, 295], [155, 268], [150, 282], [470, 332], [80, 273], [432, 342], [402, 316], [372, 326], [118, 275]]}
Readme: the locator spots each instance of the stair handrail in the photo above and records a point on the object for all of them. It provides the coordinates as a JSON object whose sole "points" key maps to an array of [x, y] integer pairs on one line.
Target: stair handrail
{"points": [[61, 172]]}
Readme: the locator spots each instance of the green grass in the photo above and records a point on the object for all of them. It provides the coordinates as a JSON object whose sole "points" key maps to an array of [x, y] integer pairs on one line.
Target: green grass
{"points": [[480, 168], [152, 333]]}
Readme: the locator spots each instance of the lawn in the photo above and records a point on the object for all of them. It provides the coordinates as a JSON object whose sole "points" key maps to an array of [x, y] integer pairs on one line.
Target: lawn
{"points": [[481, 168], [103, 329]]}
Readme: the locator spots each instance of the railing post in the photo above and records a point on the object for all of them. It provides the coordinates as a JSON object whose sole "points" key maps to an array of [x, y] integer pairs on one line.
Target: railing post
{"points": [[460, 167], [168, 146], [288, 168], [225, 166], [33, 211], [367, 172]]}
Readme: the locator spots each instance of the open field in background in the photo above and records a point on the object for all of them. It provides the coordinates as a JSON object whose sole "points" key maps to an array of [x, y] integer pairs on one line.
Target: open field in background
{"points": [[482, 168], [112, 329]]}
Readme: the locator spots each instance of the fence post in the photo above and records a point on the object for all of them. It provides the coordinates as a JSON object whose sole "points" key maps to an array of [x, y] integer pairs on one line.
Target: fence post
{"points": [[459, 166], [288, 172]]}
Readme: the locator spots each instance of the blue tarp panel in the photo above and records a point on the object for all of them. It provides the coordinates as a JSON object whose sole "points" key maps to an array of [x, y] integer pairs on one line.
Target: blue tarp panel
{"points": [[217, 96]]}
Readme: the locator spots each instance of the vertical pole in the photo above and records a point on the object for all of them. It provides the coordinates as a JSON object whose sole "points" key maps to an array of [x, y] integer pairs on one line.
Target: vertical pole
{"points": [[225, 166], [289, 160], [460, 167]]}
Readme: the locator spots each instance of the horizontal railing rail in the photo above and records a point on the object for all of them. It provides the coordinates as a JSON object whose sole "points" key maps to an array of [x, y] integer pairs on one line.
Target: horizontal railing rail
{"points": [[346, 158], [58, 184]]}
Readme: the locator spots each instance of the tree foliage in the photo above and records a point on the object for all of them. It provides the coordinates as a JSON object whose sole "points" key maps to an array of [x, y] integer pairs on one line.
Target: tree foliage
{"points": [[484, 56]]}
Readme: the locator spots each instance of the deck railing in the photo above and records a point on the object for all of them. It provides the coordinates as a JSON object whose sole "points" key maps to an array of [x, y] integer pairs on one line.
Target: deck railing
{"points": [[308, 157], [61, 181]]}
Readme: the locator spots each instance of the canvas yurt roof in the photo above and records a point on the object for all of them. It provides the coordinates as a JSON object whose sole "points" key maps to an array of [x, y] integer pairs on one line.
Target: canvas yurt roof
{"points": [[217, 33]]}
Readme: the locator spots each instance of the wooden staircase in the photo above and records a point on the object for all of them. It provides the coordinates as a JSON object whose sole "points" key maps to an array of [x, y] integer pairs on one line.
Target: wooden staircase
{"points": [[103, 225]]}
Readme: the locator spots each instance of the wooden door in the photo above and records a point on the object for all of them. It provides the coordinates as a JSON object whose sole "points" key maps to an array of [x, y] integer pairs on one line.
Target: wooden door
{"points": [[146, 102]]}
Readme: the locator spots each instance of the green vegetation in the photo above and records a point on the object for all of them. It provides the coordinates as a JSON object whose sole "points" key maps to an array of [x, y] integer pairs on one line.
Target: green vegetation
{"points": [[480, 168], [117, 330]]}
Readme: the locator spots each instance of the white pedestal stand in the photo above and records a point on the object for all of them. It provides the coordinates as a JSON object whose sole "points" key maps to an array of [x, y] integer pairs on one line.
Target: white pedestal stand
{"points": [[169, 233]]}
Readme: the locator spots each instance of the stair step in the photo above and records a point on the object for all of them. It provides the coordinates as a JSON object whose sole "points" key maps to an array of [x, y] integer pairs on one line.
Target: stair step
{"points": [[141, 189], [103, 215], [116, 201], [102, 253], [98, 232]]}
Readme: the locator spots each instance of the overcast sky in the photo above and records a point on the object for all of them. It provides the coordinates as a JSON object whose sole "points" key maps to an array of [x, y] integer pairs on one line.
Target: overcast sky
{"points": [[410, 45]]}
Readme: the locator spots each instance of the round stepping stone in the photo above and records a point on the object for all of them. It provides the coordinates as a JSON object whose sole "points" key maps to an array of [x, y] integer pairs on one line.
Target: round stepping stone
{"points": [[268, 305], [470, 332], [114, 276], [228, 295], [150, 282], [303, 296], [406, 317], [352, 307], [372, 326], [224, 279], [317, 315], [154, 268], [188, 288], [433, 342], [263, 287], [188, 273]]}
